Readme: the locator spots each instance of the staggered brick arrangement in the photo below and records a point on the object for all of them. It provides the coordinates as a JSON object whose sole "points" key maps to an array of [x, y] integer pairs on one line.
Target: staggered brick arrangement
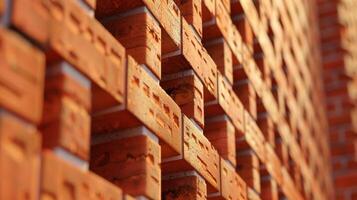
{"points": [[177, 99]]}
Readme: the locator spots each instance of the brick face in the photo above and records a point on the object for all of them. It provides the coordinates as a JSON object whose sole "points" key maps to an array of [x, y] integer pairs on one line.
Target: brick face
{"points": [[178, 99]]}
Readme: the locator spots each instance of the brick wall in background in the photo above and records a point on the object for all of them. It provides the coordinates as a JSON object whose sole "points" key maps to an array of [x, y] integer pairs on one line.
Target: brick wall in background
{"points": [[176, 99], [338, 23]]}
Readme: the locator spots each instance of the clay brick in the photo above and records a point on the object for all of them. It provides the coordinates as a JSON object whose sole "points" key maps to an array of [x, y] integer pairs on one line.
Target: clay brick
{"points": [[253, 195], [208, 9], [266, 125], [222, 56], [269, 189], [198, 154], [247, 159], [66, 122], [221, 133], [2, 7], [90, 3], [188, 186], [246, 94], [273, 164], [242, 24], [230, 103], [21, 80], [140, 34], [191, 10], [132, 163], [68, 182], [254, 137], [193, 55], [77, 38], [148, 104], [232, 185], [20, 146], [219, 26], [186, 89], [166, 12]]}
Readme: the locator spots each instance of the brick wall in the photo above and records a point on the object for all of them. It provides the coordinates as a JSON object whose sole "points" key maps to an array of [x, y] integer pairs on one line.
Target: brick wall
{"points": [[171, 99], [337, 25]]}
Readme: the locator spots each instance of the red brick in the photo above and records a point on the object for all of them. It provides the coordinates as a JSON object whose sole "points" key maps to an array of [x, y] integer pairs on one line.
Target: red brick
{"points": [[2, 7], [208, 9], [222, 56], [191, 10], [230, 103], [140, 34], [269, 189], [132, 163], [19, 158], [232, 185], [242, 24], [198, 154], [273, 165], [91, 3], [21, 80], [193, 55], [246, 94], [219, 26], [166, 12], [221, 133], [159, 113], [93, 51], [66, 122], [60, 180], [191, 187], [186, 89]]}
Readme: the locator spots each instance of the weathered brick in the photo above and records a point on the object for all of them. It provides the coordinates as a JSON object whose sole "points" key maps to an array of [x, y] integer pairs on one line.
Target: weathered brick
{"points": [[21, 80], [132, 163], [20, 145]]}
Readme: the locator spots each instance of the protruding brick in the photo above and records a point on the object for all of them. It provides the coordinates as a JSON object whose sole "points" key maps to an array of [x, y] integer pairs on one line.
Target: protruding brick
{"points": [[21, 80], [191, 10], [76, 37], [222, 56], [232, 185], [159, 113], [269, 189], [248, 168], [59, 180], [186, 186], [198, 154], [66, 122], [186, 89], [132, 163], [140, 34], [20, 145], [221, 133]]}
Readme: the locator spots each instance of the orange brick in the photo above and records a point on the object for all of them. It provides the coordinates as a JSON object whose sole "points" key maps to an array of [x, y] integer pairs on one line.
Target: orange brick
{"points": [[61, 180], [219, 26], [230, 103], [247, 159], [186, 89], [90, 3], [191, 187], [242, 24], [266, 125], [232, 185], [191, 10], [198, 154], [269, 189], [208, 9], [222, 56], [193, 55], [21, 80], [221, 133], [273, 166], [140, 34], [148, 104], [79, 39], [2, 7], [132, 163], [246, 94], [166, 12], [66, 122], [19, 158]]}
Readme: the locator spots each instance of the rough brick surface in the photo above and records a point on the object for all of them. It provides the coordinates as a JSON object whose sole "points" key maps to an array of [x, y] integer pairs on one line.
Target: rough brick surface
{"points": [[178, 99]]}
